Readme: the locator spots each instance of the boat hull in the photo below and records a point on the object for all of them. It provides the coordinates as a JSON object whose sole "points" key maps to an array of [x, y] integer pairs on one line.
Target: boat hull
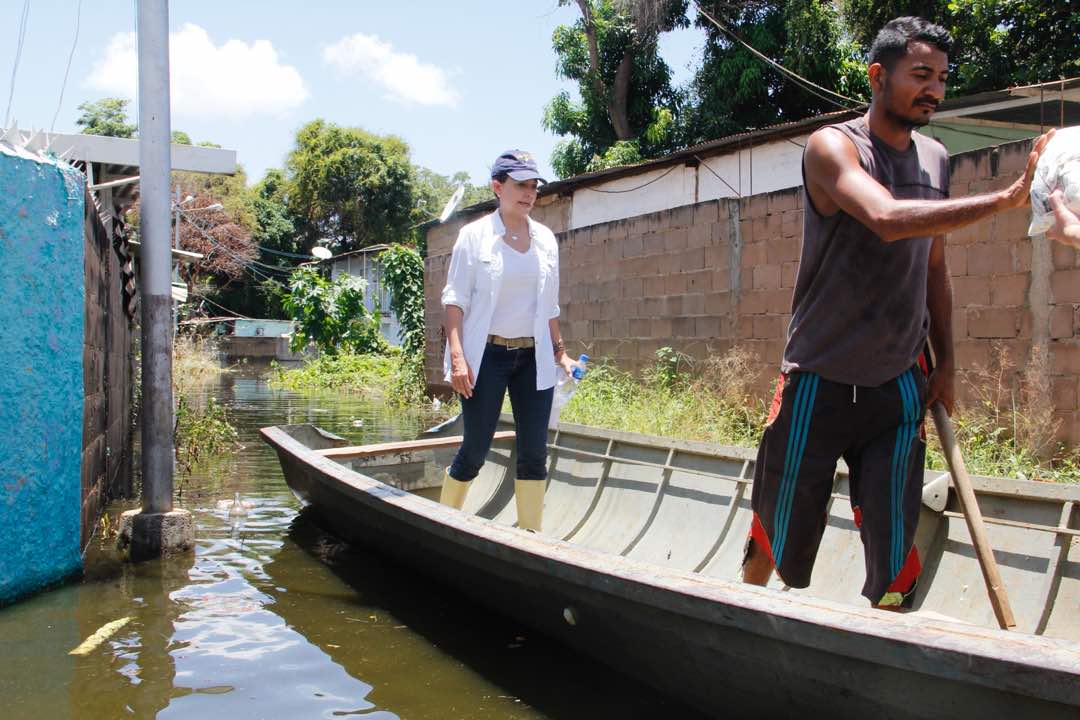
{"points": [[723, 647]]}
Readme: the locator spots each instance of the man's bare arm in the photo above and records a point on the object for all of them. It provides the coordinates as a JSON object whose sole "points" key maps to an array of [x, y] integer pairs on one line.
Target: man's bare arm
{"points": [[837, 181]]}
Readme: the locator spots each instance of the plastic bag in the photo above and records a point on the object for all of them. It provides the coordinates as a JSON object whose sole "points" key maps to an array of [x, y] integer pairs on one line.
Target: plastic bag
{"points": [[1058, 168]]}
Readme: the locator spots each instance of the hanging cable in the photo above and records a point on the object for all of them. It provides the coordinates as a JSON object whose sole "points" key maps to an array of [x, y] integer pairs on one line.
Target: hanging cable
{"points": [[67, 70], [282, 253], [221, 307], [636, 187], [798, 79], [737, 193], [24, 20]]}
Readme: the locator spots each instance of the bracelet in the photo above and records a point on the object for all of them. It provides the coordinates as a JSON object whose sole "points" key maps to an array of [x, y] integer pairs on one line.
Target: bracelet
{"points": [[559, 347]]}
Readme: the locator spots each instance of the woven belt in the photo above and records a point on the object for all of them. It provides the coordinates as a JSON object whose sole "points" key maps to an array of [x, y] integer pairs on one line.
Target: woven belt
{"points": [[522, 342]]}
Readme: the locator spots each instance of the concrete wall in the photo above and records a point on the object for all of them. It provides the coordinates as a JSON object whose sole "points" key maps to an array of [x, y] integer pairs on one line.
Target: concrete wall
{"points": [[41, 390], [705, 277], [767, 167]]}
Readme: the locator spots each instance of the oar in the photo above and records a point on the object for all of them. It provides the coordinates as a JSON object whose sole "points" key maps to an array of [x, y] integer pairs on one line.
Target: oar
{"points": [[970, 507]]}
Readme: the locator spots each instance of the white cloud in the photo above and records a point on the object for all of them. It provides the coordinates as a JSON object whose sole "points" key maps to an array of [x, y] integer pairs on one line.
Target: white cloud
{"points": [[403, 75], [233, 80]]}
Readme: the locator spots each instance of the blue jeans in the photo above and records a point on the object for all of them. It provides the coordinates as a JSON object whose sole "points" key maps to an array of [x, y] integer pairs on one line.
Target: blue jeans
{"points": [[501, 369]]}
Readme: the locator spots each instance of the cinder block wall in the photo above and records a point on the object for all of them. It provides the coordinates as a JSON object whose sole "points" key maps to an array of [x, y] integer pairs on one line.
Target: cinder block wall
{"points": [[107, 376], [703, 278]]}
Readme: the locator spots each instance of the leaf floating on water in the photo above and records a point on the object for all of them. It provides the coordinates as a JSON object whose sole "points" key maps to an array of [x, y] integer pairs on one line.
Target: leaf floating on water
{"points": [[102, 634]]}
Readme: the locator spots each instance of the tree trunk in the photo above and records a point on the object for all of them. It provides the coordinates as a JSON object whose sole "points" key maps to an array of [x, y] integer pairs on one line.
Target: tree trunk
{"points": [[616, 98], [617, 108]]}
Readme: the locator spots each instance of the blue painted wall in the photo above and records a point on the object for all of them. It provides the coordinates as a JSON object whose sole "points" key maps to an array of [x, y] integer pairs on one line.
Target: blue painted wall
{"points": [[41, 384]]}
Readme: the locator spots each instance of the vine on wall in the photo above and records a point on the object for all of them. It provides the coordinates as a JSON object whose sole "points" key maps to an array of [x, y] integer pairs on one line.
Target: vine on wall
{"points": [[403, 274]]}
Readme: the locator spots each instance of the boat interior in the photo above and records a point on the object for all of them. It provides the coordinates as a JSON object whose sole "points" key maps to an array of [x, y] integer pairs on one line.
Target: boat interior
{"points": [[686, 506]]}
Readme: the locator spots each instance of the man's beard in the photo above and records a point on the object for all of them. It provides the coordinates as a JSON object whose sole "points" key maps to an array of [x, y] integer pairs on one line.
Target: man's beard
{"points": [[909, 123]]}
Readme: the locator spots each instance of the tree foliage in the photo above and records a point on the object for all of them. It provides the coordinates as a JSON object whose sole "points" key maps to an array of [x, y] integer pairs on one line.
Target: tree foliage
{"points": [[734, 91], [349, 186], [1000, 43], [434, 190], [107, 116], [224, 243], [625, 87], [274, 225], [331, 314]]}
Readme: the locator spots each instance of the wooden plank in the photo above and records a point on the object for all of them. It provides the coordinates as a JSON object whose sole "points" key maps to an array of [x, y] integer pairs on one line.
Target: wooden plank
{"points": [[362, 451]]}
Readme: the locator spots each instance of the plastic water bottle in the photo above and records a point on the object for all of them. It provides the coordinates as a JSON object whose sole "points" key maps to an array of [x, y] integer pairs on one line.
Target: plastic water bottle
{"points": [[565, 386]]}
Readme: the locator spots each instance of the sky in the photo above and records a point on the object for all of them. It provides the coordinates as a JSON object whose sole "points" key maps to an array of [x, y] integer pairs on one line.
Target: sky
{"points": [[459, 81]]}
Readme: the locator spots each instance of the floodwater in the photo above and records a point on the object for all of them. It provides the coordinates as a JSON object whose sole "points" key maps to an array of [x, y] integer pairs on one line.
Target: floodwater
{"points": [[271, 617]]}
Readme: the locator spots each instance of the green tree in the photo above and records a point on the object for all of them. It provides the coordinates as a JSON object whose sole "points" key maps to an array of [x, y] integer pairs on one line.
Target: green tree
{"points": [[1000, 43], [434, 190], [274, 226], [734, 91], [350, 186], [625, 87], [107, 116], [181, 138], [332, 314]]}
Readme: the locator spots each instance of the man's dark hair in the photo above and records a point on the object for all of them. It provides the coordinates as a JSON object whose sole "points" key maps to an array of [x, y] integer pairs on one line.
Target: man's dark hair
{"points": [[891, 42], [501, 177]]}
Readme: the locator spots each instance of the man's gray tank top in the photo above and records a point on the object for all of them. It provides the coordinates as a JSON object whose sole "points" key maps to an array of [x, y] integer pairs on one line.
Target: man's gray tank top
{"points": [[859, 313]]}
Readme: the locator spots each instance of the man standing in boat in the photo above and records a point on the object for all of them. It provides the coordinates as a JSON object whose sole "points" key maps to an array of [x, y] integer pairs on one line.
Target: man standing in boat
{"points": [[872, 288]]}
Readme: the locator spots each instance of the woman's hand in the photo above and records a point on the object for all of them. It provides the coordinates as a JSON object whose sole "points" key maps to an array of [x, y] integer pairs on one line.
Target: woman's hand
{"points": [[566, 363], [461, 377], [1066, 223]]}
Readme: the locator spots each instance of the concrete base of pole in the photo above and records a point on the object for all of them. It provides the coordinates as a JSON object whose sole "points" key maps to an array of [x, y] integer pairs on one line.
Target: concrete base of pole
{"points": [[144, 536]]}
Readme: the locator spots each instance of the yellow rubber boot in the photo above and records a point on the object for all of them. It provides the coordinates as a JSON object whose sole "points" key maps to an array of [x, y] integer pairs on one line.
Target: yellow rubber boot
{"points": [[453, 491], [529, 495]]}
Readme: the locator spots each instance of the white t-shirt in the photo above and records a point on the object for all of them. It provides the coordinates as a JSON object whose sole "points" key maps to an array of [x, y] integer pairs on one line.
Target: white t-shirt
{"points": [[515, 306]]}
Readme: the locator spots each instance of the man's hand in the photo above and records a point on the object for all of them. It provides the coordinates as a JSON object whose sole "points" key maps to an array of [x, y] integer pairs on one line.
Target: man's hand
{"points": [[1019, 193], [942, 388], [461, 377], [1066, 223]]}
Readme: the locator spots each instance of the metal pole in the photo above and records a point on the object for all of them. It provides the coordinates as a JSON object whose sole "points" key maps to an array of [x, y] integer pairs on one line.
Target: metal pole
{"points": [[155, 258]]}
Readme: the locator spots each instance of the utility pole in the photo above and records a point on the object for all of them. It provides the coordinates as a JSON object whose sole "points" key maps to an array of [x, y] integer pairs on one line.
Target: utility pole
{"points": [[156, 528]]}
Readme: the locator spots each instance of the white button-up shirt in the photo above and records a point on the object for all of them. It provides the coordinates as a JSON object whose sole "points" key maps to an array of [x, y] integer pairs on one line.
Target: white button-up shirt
{"points": [[473, 283]]}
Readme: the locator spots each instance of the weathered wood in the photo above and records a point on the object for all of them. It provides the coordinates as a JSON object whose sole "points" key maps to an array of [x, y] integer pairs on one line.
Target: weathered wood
{"points": [[999, 599], [362, 451]]}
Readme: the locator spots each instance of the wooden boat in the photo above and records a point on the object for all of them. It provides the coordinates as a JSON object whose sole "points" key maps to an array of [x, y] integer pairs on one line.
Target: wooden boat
{"points": [[637, 565]]}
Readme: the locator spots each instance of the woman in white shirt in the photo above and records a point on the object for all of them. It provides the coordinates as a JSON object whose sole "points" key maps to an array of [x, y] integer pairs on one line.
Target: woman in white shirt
{"points": [[502, 333]]}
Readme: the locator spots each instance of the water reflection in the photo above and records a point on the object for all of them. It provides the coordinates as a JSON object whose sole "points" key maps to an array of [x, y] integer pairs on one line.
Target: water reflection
{"points": [[272, 617]]}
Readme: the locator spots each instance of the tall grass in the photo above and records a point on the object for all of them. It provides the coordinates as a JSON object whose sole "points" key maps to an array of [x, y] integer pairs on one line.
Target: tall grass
{"points": [[1007, 427], [194, 359], [1005, 431], [202, 428], [711, 400]]}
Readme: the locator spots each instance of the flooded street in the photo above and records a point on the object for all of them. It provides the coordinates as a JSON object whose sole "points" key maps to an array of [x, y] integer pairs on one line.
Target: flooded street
{"points": [[271, 617]]}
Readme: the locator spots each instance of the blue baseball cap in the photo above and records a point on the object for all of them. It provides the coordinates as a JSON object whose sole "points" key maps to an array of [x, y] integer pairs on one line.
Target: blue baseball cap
{"points": [[518, 164]]}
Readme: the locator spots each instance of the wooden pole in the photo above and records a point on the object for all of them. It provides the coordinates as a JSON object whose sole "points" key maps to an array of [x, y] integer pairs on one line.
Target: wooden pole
{"points": [[999, 600]]}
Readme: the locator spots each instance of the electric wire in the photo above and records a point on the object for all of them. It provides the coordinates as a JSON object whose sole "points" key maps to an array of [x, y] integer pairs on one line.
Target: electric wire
{"points": [[221, 307], [24, 20], [806, 84], [737, 193], [636, 187], [67, 70]]}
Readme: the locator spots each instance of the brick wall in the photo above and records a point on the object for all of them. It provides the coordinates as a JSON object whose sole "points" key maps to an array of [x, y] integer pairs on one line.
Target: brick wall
{"points": [[703, 278]]}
